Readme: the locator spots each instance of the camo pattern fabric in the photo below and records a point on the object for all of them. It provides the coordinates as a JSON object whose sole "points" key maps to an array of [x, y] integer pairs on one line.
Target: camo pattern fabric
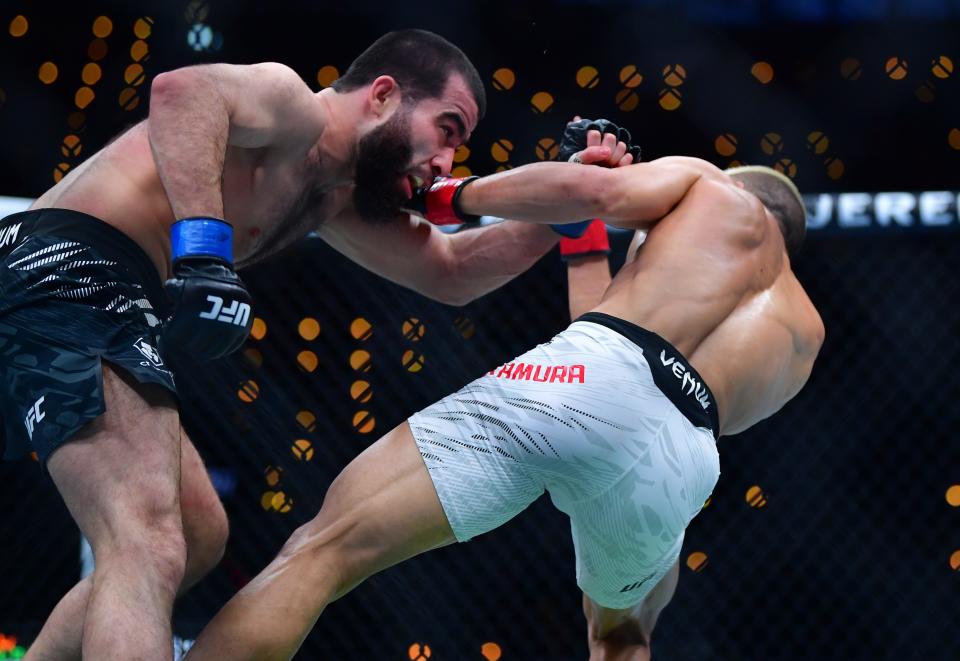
{"points": [[64, 307]]}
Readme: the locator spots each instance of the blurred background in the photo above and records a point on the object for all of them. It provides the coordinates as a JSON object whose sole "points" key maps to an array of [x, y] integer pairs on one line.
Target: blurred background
{"points": [[833, 530]]}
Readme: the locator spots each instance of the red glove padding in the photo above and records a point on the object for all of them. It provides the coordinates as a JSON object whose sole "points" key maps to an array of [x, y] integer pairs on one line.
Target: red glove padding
{"points": [[593, 242], [438, 201]]}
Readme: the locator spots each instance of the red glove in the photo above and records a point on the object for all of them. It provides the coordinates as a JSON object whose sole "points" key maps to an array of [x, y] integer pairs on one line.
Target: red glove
{"points": [[593, 242], [438, 201]]}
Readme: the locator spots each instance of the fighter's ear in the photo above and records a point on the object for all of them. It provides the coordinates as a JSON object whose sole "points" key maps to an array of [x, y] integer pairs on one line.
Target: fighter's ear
{"points": [[384, 94]]}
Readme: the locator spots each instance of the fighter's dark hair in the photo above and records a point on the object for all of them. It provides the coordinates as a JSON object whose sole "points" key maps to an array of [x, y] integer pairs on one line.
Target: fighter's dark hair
{"points": [[781, 198], [421, 62]]}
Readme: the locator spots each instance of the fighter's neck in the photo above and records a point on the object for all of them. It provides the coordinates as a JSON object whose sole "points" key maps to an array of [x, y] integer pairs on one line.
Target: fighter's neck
{"points": [[337, 147]]}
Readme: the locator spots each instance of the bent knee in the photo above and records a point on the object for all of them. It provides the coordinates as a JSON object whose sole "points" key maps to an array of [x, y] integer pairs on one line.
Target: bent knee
{"points": [[158, 550], [150, 511]]}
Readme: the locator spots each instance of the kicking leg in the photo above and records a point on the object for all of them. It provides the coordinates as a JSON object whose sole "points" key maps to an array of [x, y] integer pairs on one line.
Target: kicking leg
{"points": [[381, 510], [624, 634]]}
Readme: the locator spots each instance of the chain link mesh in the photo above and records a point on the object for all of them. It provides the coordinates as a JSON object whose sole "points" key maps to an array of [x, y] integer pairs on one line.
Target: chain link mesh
{"points": [[828, 535]]}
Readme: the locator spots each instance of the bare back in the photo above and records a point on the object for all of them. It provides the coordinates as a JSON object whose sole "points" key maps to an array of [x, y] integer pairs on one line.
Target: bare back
{"points": [[269, 194], [713, 279]]}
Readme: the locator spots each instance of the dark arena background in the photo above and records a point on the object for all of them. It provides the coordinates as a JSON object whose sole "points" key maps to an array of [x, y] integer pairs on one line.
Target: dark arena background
{"points": [[834, 531]]}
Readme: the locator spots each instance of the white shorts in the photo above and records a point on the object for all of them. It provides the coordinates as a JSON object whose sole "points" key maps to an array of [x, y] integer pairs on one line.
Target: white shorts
{"points": [[607, 417]]}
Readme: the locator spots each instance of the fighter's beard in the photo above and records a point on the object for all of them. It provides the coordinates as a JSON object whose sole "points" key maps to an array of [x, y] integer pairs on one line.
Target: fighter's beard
{"points": [[382, 157]]}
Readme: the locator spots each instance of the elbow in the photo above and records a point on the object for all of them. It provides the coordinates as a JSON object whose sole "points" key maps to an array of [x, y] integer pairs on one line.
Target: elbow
{"points": [[448, 296], [820, 335], [445, 284], [812, 339], [164, 90], [170, 86], [165, 84], [450, 290], [457, 299]]}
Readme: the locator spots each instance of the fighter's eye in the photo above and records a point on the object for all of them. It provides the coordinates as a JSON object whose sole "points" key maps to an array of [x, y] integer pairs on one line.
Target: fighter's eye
{"points": [[447, 131]]}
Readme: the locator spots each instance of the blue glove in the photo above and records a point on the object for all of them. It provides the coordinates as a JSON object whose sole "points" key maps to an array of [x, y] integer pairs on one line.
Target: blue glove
{"points": [[572, 230], [210, 306]]}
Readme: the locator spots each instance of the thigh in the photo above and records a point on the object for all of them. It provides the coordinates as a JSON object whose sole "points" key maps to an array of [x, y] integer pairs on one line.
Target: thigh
{"points": [[627, 539], [124, 465], [381, 510]]}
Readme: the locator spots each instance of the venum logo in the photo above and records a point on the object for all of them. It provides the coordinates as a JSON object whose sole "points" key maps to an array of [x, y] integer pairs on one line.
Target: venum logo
{"points": [[236, 313], [34, 417], [148, 352], [8, 235], [688, 384]]}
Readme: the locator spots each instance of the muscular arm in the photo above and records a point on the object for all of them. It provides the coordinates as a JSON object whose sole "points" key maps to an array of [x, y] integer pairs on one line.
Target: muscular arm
{"points": [[196, 112], [450, 268], [635, 196], [587, 280]]}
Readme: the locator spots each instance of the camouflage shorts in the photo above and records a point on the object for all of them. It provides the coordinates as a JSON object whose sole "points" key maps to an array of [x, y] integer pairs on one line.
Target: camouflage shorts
{"points": [[73, 291]]}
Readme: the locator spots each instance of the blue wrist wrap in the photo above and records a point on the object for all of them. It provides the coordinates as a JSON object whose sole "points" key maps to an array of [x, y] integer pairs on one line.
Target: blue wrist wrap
{"points": [[572, 230], [202, 236]]}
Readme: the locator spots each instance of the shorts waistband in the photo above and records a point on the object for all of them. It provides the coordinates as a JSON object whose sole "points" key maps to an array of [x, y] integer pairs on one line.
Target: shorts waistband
{"points": [[90, 231], [672, 373]]}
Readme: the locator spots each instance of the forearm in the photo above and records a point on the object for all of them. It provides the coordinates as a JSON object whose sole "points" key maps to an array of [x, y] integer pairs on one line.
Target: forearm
{"points": [[634, 196], [587, 281], [487, 258], [542, 193], [189, 126]]}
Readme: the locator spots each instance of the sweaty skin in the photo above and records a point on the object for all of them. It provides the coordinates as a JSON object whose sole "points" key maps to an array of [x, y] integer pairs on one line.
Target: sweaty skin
{"points": [[707, 270], [712, 278], [254, 145], [268, 185]]}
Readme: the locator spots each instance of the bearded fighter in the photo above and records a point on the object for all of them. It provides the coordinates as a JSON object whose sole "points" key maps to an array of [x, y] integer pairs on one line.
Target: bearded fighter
{"points": [[233, 164]]}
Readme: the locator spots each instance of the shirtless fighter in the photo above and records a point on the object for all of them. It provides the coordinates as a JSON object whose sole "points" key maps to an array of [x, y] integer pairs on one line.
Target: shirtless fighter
{"points": [[705, 332], [83, 376]]}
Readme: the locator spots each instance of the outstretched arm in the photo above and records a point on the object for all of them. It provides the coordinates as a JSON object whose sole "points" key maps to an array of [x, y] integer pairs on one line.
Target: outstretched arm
{"points": [[635, 196], [457, 268], [196, 112], [587, 281], [450, 268]]}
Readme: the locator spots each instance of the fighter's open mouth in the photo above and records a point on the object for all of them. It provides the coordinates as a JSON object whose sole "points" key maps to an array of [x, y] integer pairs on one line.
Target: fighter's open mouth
{"points": [[413, 183]]}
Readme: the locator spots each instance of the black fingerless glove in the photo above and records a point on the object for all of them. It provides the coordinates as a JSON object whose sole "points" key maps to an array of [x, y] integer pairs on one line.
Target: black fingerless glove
{"points": [[210, 306], [574, 138], [573, 142]]}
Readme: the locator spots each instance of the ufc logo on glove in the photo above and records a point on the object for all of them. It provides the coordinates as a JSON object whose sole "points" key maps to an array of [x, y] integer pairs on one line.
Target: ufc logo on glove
{"points": [[236, 313], [205, 286]]}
